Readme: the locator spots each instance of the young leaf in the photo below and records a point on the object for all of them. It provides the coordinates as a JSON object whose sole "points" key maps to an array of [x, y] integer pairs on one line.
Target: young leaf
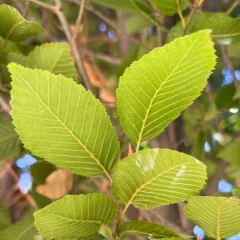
{"points": [[54, 57], [217, 216], [157, 177], [225, 30], [5, 218], [154, 90], [14, 27], [63, 123], [22, 230], [146, 229], [75, 216], [10, 145], [231, 153], [170, 7]]}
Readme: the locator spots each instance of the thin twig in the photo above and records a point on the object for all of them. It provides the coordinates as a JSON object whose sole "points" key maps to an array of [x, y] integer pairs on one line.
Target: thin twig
{"points": [[79, 20], [234, 5], [101, 56], [73, 44], [98, 14], [44, 5], [104, 18], [57, 9], [229, 64], [196, 5], [181, 16]]}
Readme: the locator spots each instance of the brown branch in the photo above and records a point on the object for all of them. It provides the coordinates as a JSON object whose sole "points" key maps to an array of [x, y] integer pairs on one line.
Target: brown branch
{"points": [[73, 44], [78, 21], [57, 9], [101, 56], [234, 5]]}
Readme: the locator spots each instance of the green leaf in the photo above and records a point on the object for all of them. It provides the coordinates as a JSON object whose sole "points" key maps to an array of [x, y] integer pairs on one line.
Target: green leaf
{"points": [[75, 216], [145, 229], [63, 123], [224, 97], [124, 5], [231, 153], [54, 57], [10, 146], [22, 230], [154, 90], [217, 216], [157, 177], [225, 30], [5, 219], [14, 27], [170, 7], [172, 238]]}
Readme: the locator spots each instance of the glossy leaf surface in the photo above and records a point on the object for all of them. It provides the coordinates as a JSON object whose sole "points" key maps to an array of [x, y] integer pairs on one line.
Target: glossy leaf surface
{"points": [[157, 177], [154, 90], [75, 216], [14, 27], [217, 216], [63, 123]]}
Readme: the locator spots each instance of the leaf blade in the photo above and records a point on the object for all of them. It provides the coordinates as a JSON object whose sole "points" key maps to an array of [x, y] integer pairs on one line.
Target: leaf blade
{"points": [[14, 27], [84, 144], [170, 7], [54, 57], [157, 177], [225, 29], [149, 88], [215, 215], [77, 216], [145, 229]]}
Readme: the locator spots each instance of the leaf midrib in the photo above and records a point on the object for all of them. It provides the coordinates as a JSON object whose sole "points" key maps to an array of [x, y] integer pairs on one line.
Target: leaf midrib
{"points": [[76, 220], [153, 179], [12, 29], [156, 93], [71, 133]]}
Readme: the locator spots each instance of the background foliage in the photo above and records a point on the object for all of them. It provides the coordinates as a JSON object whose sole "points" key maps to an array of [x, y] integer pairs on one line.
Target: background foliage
{"points": [[91, 44]]}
